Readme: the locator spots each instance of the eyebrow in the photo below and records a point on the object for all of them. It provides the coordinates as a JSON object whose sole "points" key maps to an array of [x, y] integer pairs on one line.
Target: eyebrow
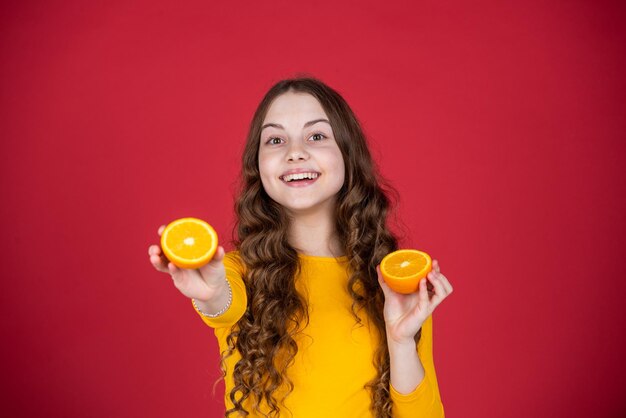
{"points": [[306, 125]]}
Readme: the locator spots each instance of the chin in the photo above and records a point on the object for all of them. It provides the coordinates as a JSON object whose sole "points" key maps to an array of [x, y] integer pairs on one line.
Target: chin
{"points": [[308, 208]]}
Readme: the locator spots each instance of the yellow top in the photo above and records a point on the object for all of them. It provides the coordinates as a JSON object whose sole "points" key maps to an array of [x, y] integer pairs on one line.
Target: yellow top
{"points": [[334, 359]]}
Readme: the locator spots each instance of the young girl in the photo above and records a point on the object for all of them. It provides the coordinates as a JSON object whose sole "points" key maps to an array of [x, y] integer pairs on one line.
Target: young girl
{"points": [[305, 324]]}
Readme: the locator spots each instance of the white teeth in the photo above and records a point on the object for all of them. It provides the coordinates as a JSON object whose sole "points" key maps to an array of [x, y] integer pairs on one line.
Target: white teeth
{"points": [[300, 176]]}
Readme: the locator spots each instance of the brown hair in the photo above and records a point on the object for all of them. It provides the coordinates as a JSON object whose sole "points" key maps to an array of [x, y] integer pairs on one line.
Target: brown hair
{"points": [[264, 336]]}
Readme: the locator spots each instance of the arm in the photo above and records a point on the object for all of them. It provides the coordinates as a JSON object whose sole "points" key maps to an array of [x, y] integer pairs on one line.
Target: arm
{"points": [[412, 374], [406, 368], [424, 397]]}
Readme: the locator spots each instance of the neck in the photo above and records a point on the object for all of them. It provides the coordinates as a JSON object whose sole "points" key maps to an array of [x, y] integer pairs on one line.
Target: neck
{"points": [[314, 234]]}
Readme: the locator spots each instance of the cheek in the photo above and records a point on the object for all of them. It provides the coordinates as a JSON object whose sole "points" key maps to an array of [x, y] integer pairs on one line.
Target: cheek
{"points": [[265, 169], [263, 163], [340, 169], [342, 174], [339, 162]]}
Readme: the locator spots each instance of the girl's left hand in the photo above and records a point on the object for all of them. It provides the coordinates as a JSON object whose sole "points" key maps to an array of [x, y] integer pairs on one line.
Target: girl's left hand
{"points": [[405, 314]]}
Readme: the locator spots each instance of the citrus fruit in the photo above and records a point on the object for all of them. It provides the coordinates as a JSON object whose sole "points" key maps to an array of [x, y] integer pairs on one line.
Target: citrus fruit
{"points": [[402, 270], [189, 242]]}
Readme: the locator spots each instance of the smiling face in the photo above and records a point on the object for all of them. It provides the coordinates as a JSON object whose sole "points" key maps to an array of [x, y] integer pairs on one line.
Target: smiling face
{"points": [[300, 163]]}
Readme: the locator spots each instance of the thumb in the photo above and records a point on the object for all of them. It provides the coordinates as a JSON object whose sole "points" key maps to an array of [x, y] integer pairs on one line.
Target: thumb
{"points": [[386, 289], [215, 262], [219, 254]]}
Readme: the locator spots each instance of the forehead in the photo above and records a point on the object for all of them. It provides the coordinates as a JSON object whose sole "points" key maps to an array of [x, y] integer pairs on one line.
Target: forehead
{"points": [[294, 106]]}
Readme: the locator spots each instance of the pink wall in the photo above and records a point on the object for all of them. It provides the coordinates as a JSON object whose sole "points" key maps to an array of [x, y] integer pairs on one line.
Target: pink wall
{"points": [[501, 125]]}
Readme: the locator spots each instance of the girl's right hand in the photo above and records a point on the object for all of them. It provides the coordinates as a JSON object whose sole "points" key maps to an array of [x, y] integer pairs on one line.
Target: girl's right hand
{"points": [[202, 284]]}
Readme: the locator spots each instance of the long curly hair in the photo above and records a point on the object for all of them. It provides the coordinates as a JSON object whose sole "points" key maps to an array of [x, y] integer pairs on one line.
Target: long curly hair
{"points": [[264, 336]]}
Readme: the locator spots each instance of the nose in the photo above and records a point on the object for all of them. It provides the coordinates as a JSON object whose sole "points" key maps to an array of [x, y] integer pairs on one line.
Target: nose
{"points": [[297, 152]]}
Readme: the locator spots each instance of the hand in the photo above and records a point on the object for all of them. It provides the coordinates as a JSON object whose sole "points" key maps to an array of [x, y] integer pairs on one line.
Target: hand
{"points": [[201, 284], [405, 314]]}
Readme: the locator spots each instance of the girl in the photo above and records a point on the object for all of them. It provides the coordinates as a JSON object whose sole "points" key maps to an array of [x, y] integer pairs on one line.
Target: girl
{"points": [[305, 324]]}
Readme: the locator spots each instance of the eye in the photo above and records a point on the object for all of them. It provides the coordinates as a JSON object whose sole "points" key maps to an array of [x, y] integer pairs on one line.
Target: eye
{"points": [[274, 140], [317, 137]]}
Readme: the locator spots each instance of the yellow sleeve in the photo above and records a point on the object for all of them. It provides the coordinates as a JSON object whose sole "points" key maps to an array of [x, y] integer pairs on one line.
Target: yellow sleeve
{"points": [[425, 400], [234, 272]]}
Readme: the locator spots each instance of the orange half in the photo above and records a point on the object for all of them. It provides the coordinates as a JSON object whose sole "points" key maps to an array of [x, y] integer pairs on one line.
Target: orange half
{"points": [[402, 270], [189, 242]]}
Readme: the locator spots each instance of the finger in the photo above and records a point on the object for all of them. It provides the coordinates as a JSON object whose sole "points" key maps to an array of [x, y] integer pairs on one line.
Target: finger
{"points": [[219, 254], [158, 263], [215, 262], [161, 228], [178, 275], [423, 294], [155, 250], [175, 272], [386, 289], [436, 266], [446, 283], [440, 291]]}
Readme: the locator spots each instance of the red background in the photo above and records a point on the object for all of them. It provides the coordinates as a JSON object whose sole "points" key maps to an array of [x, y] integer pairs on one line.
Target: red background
{"points": [[500, 123]]}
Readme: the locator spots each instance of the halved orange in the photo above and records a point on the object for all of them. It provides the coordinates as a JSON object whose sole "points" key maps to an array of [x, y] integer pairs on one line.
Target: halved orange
{"points": [[402, 270], [189, 242]]}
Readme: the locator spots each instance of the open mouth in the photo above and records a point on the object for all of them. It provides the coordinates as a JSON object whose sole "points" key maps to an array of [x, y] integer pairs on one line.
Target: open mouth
{"points": [[299, 177]]}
